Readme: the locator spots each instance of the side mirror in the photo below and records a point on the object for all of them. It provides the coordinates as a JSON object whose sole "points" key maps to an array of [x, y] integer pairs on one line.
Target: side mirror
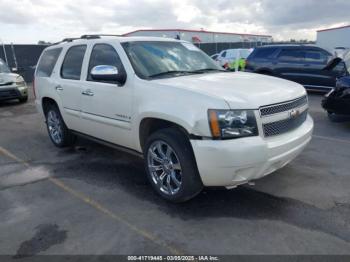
{"points": [[332, 63], [107, 73]]}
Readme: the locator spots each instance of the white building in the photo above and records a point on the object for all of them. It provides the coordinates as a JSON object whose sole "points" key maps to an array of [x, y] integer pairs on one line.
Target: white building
{"points": [[334, 37], [202, 36]]}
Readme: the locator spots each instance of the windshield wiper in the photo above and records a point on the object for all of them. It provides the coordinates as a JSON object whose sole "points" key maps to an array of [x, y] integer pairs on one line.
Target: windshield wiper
{"points": [[204, 70], [173, 72]]}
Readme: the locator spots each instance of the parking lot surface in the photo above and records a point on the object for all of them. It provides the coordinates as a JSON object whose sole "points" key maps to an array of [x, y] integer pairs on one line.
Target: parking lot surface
{"points": [[94, 200]]}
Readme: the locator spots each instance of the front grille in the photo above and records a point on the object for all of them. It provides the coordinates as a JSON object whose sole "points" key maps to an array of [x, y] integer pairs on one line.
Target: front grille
{"points": [[282, 107], [284, 126], [4, 94]]}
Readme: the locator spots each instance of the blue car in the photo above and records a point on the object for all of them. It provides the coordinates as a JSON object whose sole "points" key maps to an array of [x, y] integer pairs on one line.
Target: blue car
{"points": [[304, 64], [337, 101]]}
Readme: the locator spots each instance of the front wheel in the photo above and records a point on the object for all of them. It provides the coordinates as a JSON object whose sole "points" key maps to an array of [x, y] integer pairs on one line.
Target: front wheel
{"points": [[23, 99], [171, 166]]}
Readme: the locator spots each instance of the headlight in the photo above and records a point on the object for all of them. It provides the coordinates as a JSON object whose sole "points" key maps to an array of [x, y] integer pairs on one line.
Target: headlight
{"points": [[226, 124], [20, 81]]}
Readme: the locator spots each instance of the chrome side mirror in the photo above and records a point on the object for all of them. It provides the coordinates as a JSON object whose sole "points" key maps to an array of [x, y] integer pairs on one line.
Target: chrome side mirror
{"points": [[104, 73]]}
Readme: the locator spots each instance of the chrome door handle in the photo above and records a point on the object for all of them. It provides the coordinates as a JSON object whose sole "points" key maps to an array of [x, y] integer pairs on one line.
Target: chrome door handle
{"points": [[87, 92], [59, 88]]}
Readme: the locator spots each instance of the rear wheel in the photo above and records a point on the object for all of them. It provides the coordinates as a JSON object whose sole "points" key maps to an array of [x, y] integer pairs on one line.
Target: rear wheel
{"points": [[171, 166], [267, 73], [57, 129]]}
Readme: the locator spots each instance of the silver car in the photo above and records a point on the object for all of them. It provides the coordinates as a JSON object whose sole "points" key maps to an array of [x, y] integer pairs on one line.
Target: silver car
{"points": [[12, 86]]}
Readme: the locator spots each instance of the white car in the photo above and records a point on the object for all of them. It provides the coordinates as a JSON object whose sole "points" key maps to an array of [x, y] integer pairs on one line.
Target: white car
{"points": [[12, 86], [165, 100], [229, 56]]}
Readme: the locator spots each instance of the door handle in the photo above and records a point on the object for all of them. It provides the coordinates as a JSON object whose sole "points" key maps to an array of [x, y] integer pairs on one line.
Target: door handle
{"points": [[59, 88], [87, 92]]}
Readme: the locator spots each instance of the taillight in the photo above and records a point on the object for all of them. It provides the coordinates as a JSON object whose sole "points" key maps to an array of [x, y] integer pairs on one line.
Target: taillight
{"points": [[34, 88]]}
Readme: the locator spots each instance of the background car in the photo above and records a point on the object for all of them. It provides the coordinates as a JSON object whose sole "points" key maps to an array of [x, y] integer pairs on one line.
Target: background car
{"points": [[299, 63], [12, 86], [340, 51], [214, 56], [337, 102], [233, 58]]}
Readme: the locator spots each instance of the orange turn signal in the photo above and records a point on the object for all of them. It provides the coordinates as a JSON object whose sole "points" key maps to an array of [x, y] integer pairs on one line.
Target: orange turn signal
{"points": [[214, 124]]}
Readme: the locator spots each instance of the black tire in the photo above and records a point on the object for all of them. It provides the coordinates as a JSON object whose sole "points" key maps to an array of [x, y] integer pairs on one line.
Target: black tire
{"points": [[23, 99], [337, 118], [267, 73], [67, 138], [191, 183]]}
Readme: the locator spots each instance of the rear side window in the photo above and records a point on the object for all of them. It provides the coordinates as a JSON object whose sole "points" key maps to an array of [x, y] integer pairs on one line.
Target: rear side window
{"points": [[264, 52], [71, 67], [315, 56], [291, 55], [104, 54], [48, 62]]}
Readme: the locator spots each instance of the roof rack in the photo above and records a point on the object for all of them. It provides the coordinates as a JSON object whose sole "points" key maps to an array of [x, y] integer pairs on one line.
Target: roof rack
{"points": [[87, 37], [96, 36]]}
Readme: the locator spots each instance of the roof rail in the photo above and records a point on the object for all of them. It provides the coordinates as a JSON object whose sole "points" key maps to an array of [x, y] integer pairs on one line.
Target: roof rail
{"points": [[87, 37], [66, 40], [96, 36]]}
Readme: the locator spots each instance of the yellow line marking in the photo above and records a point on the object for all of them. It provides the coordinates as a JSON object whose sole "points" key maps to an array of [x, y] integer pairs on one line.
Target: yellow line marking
{"points": [[332, 139], [97, 206], [12, 156]]}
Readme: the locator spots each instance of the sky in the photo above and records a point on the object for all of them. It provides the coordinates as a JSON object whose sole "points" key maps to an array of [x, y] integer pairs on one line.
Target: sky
{"points": [[28, 21]]}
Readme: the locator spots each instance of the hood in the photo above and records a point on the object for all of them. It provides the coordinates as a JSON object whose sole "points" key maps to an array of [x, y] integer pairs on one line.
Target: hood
{"points": [[8, 77], [239, 89]]}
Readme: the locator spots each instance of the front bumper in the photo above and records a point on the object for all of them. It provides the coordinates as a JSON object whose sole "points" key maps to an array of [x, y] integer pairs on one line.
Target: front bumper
{"points": [[233, 162], [13, 92]]}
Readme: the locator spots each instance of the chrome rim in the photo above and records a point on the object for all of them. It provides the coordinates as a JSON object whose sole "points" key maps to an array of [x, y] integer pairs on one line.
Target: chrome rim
{"points": [[164, 167], [55, 128]]}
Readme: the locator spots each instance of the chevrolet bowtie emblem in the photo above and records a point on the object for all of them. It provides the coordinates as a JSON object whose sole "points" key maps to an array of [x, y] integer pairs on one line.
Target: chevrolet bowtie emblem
{"points": [[294, 113]]}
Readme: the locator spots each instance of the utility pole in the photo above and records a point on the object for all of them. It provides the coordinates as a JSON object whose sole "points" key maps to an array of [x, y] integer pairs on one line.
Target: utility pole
{"points": [[3, 47]]}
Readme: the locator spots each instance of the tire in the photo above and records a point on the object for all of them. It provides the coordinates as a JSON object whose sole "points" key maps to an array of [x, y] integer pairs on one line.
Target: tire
{"points": [[336, 118], [23, 99], [178, 168], [58, 132], [267, 73]]}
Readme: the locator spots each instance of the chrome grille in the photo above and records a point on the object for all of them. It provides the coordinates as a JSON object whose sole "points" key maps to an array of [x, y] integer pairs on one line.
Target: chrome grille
{"points": [[282, 107], [283, 126]]}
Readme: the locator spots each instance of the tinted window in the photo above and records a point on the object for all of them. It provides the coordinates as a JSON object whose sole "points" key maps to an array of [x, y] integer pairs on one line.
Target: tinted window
{"points": [[103, 54], [223, 54], [264, 52], [315, 56], [291, 55], [48, 62], [71, 67]]}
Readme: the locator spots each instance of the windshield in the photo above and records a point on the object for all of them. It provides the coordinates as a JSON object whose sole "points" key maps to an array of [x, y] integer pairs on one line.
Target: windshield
{"points": [[244, 53], [4, 68], [151, 59]]}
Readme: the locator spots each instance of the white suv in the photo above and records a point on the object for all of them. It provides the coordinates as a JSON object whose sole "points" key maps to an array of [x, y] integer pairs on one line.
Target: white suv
{"points": [[193, 123]]}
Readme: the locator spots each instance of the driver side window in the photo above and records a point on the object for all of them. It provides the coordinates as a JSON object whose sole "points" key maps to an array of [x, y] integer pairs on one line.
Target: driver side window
{"points": [[104, 54]]}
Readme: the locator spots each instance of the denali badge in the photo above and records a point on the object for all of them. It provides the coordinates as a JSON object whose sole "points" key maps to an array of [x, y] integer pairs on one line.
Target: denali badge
{"points": [[294, 113]]}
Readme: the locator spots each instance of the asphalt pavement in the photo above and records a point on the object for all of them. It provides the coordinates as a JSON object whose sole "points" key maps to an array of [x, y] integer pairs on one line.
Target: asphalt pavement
{"points": [[91, 199]]}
